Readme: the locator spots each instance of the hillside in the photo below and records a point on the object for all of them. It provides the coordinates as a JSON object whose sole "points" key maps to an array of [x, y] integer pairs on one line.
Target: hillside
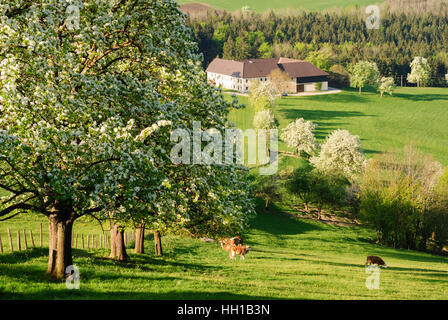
{"points": [[290, 258], [264, 5], [411, 115]]}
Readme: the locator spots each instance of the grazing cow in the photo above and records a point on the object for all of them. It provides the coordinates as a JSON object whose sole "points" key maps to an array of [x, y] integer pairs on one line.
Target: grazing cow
{"points": [[376, 260], [235, 241], [238, 250]]}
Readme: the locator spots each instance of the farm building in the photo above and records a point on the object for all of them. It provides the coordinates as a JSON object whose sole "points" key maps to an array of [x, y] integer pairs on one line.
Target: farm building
{"points": [[237, 75]]}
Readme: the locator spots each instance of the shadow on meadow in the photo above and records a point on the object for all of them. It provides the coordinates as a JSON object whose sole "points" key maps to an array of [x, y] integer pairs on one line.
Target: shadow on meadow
{"points": [[422, 97], [83, 294], [278, 223]]}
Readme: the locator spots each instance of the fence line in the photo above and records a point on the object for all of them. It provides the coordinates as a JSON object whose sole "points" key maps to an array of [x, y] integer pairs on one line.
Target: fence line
{"points": [[32, 239], [25, 240]]}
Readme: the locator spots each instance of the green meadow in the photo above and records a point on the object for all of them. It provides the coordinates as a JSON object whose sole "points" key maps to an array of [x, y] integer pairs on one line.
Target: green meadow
{"points": [[292, 257], [264, 5], [417, 116]]}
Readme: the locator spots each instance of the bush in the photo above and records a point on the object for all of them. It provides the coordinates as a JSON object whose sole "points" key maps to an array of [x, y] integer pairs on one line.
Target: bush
{"points": [[403, 198]]}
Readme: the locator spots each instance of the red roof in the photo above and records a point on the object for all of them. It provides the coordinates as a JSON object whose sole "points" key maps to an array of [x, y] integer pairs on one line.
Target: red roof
{"points": [[257, 68]]}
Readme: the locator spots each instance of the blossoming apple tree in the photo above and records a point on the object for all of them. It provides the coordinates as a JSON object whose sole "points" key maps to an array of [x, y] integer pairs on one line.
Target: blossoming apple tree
{"points": [[86, 107]]}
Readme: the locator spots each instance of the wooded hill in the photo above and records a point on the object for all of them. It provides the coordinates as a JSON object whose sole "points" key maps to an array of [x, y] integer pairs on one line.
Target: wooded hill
{"points": [[331, 38]]}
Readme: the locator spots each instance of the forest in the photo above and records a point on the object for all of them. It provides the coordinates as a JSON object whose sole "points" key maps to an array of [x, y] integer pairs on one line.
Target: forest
{"points": [[330, 40]]}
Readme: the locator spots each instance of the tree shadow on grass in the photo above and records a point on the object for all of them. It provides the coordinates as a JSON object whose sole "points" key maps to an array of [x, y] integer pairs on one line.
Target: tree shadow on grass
{"points": [[22, 256], [422, 97], [85, 294], [320, 115], [278, 223], [417, 256]]}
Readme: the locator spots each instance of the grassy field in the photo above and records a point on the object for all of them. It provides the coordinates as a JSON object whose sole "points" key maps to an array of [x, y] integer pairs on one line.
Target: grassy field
{"points": [[263, 5], [291, 259], [411, 115]]}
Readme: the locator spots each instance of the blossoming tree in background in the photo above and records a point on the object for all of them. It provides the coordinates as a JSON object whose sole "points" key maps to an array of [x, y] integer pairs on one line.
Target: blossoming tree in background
{"points": [[340, 154], [299, 135], [420, 71]]}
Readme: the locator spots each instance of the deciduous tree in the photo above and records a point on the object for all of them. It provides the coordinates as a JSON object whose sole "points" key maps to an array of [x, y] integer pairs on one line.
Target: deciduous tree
{"points": [[340, 154], [299, 135], [363, 73], [387, 85], [280, 80], [420, 71]]}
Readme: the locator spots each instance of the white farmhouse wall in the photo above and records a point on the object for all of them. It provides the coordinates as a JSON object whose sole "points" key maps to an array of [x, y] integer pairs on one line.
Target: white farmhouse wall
{"points": [[310, 87]]}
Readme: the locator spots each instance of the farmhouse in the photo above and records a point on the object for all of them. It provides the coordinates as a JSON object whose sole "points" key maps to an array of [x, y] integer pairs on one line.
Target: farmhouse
{"points": [[237, 75]]}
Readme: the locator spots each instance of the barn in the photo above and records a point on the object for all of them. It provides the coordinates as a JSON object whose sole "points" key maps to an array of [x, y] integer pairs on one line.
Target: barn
{"points": [[237, 75]]}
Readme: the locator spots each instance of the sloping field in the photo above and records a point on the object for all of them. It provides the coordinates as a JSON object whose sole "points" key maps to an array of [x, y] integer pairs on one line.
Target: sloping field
{"points": [[263, 5]]}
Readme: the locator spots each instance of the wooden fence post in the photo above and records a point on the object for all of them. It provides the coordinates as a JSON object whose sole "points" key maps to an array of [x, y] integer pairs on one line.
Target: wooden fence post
{"points": [[41, 235], [10, 241], [24, 239], [32, 239], [1, 244], [18, 241], [82, 238], [88, 242]]}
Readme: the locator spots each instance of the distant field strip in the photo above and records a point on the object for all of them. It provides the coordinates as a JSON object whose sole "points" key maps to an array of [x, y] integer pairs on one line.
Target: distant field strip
{"points": [[263, 5]]}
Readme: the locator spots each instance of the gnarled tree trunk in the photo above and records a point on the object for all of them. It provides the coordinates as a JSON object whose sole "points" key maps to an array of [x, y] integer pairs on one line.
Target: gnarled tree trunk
{"points": [[158, 243], [140, 239], [60, 243], [117, 245]]}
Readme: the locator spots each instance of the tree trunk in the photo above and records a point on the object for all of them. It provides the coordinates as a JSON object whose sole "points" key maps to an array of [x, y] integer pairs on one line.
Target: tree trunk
{"points": [[267, 202], [140, 239], [158, 243], [117, 245], [360, 90], [60, 243]]}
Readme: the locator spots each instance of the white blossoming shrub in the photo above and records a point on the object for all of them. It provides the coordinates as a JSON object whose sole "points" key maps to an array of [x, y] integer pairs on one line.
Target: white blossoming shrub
{"points": [[299, 135], [340, 153], [264, 120]]}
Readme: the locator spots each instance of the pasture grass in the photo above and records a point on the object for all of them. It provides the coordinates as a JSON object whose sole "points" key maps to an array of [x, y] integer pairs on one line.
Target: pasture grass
{"points": [[417, 116], [264, 5], [291, 258]]}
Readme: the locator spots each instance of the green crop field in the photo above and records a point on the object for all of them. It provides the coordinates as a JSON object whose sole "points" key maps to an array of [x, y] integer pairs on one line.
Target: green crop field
{"points": [[291, 257], [263, 5]]}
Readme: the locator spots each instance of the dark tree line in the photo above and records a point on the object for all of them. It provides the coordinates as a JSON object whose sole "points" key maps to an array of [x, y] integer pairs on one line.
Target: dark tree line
{"points": [[329, 39]]}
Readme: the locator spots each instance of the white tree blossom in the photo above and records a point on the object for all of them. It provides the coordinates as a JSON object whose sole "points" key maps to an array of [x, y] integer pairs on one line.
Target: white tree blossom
{"points": [[340, 153], [387, 85], [262, 95], [299, 135], [420, 71], [363, 73], [86, 114], [264, 120]]}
